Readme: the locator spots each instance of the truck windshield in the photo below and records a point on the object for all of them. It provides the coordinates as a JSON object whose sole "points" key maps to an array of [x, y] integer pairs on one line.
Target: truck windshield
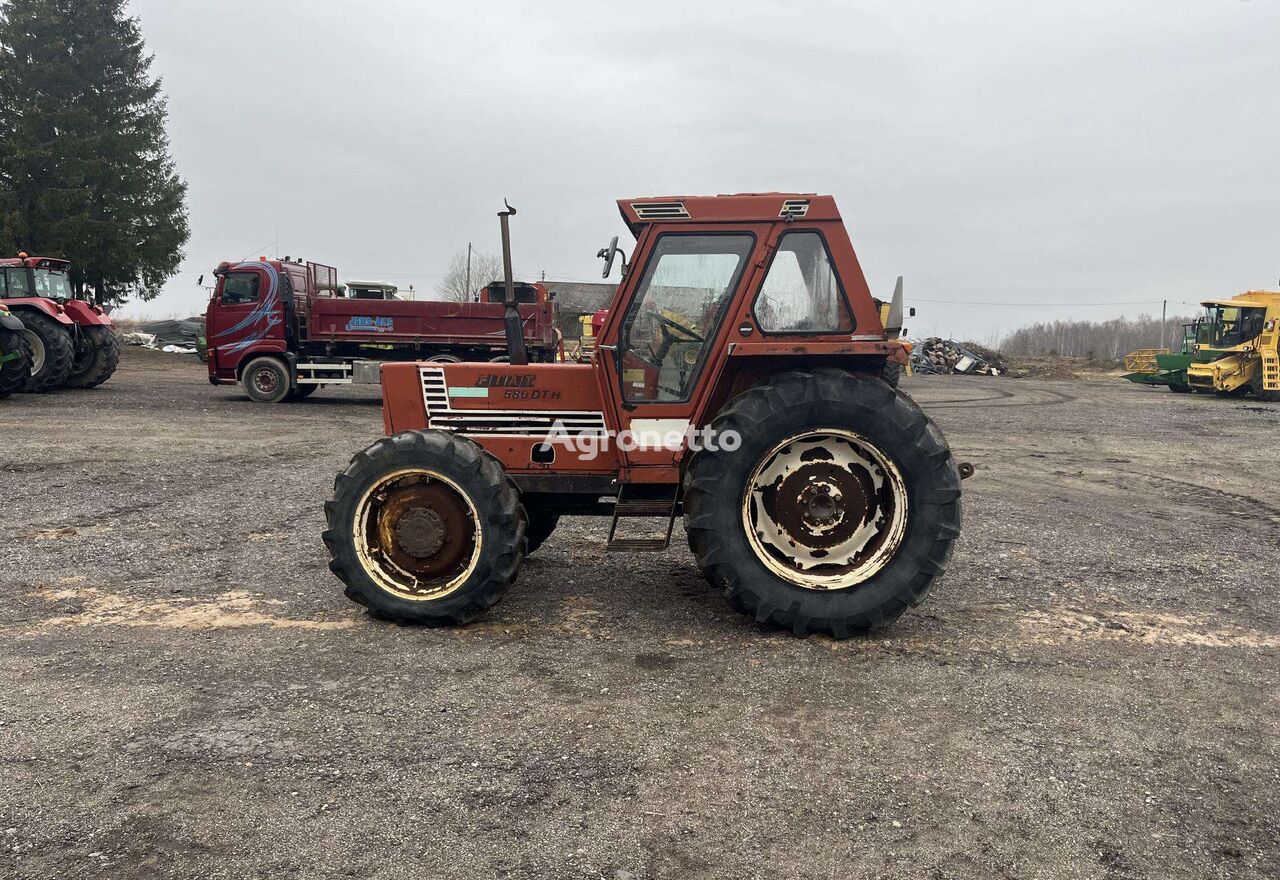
{"points": [[1234, 326], [52, 284]]}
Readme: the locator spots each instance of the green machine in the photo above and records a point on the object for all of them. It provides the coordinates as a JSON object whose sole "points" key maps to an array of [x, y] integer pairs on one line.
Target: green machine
{"points": [[1159, 366]]}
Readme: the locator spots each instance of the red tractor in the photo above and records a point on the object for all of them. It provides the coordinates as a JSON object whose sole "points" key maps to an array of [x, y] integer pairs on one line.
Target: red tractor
{"points": [[72, 343], [737, 382]]}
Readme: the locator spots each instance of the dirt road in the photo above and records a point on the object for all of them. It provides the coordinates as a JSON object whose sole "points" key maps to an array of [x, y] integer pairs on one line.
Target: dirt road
{"points": [[184, 692]]}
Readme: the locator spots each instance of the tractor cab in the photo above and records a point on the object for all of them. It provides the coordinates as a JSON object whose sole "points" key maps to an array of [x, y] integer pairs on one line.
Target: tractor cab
{"points": [[43, 277]]}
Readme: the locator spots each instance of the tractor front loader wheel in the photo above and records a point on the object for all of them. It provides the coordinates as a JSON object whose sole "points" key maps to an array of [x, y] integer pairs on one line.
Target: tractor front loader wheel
{"points": [[96, 358], [834, 512], [425, 527], [51, 352], [15, 361]]}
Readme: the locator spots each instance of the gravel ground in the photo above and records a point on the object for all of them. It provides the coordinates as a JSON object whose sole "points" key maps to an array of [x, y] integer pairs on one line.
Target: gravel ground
{"points": [[1090, 691]]}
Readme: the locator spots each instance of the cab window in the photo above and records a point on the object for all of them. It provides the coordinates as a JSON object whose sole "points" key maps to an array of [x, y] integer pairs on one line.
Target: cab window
{"points": [[239, 288], [52, 284], [17, 285], [679, 304], [801, 293]]}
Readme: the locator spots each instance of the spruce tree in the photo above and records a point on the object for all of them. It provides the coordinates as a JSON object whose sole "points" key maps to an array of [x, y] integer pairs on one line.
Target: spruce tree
{"points": [[85, 170]]}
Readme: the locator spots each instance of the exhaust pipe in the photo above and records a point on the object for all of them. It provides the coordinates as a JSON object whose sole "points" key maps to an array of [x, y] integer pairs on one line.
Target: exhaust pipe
{"points": [[514, 327]]}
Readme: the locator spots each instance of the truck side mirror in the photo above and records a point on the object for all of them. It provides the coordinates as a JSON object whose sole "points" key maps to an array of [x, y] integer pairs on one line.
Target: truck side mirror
{"points": [[200, 281]]}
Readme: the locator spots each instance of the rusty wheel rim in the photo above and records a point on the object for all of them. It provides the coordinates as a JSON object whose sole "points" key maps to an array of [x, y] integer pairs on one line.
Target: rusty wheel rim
{"points": [[825, 510], [265, 381], [417, 534]]}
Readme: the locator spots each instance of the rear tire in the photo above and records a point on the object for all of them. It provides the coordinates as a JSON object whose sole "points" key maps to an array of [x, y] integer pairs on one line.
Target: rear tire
{"points": [[52, 351], [542, 523], [892, 374], [425, 527], [15, 371], [99, 359], [909, 500], [266, 380]]}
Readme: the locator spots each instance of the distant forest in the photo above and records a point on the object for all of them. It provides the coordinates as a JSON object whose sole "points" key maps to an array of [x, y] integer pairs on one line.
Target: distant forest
{"points": [[1103, 340]]}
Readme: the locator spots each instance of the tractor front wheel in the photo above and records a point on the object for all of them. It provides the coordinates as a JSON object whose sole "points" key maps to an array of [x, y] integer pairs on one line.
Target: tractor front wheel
{"points": [[826, 502], [51, 352], [15, 361], [425, 527], [96, 357]]}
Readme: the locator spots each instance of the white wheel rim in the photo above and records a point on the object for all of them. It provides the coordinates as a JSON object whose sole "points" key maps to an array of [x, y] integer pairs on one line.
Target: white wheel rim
{"points": [[381, 565], [444, 359], [37, 351], [825, 509]]}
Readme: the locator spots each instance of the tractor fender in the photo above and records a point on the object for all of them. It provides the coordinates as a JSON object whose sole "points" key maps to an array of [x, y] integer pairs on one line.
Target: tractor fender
{"points": [[86, 314], [40, 304]]}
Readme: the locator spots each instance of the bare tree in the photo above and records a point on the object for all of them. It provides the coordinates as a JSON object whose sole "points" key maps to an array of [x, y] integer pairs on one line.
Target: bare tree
{"points": [[485, 269], [1104, 340]]}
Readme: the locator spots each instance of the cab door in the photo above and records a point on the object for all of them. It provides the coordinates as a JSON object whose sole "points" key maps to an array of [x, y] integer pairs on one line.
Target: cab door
{"points": [[245, 315], [671, 333]]}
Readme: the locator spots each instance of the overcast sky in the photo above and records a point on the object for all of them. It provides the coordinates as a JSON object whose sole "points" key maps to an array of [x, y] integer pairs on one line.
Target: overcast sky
{"points": [[1092, 153]]}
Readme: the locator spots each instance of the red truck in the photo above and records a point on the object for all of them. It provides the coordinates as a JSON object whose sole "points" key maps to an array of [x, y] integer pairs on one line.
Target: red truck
{"points": [[282, 329], [72, 341]]}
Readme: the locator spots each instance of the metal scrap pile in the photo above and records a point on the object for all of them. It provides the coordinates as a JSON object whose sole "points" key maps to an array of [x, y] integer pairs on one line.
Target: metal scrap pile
{"points": [[938, 355]]}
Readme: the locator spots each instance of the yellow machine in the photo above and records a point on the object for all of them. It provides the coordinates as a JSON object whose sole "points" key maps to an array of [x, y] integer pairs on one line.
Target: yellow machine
{"points": [[1238, 349]]}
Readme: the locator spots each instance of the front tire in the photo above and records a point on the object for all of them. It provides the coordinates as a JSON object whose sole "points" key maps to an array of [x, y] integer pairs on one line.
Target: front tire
{"points": [[266, 380], [97, 360], [837, 511], [425, 527], [51, 352]]}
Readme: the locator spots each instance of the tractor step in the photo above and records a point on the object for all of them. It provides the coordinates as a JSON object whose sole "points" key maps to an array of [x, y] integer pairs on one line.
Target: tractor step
{"points": [[637, 545], [643, 508], [654, 508]]}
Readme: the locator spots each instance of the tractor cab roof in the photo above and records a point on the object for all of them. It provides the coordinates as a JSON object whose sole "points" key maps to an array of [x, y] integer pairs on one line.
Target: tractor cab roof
{"points": [[34, 262], [734, 208], [1251, 299]]}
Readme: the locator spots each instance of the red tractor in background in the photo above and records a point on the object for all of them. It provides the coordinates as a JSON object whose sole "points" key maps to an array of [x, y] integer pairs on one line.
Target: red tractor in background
{"points": [[738, 381], [71, 341]]}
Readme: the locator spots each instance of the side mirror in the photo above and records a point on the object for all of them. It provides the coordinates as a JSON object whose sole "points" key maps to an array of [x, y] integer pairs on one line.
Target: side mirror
{"points": [[200, 281], [609, 254]]}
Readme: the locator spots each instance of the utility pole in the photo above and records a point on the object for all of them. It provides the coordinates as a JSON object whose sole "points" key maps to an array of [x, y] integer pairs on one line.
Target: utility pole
{"points": [[1164, 311], [467, 289]]}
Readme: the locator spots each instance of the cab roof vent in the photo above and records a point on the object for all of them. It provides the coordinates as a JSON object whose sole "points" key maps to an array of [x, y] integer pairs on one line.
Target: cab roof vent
{"points": [[660, 211], [793, 208]]}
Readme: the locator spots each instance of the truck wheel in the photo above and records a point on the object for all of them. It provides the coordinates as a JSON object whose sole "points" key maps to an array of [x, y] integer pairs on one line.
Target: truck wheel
{"points": [[542, 523], [51, 352], [97, 359], [834, 513], [17, 366], [425, 527], [266, 380]]}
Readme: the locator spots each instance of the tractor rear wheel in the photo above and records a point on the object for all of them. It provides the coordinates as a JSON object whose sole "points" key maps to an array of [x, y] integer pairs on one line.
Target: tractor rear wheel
{"points": [[97, 358], [542, 523], [836, 510], [16, 366], [266, 380], [425, 527], [51, 352]]}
